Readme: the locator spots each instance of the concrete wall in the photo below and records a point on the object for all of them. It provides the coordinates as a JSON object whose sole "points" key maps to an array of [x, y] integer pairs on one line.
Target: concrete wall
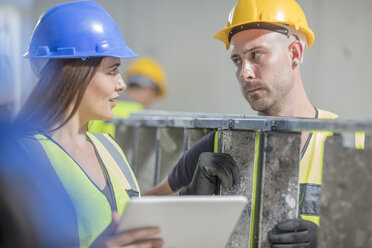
{"points": [[179, 34]]}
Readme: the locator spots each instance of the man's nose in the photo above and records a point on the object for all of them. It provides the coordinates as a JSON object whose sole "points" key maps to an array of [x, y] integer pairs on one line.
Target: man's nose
{"points": [[247, 71]]}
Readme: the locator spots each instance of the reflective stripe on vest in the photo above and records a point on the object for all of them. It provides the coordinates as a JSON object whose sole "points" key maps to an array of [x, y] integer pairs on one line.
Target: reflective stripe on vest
{"points": [[114, 158], [215, 143], [92, 207], [359, 140], [122, 110]]}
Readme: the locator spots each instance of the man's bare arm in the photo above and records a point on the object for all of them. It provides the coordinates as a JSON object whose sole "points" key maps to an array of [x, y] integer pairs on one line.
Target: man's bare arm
{"points": [[162, 188]]}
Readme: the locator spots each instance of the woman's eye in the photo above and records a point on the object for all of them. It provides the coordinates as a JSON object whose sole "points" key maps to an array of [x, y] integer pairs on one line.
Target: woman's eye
{"points": [[113, 72]]}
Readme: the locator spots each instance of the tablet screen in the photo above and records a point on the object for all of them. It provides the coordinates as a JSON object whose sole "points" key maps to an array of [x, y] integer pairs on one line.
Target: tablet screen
{"points": [[186, 221]]}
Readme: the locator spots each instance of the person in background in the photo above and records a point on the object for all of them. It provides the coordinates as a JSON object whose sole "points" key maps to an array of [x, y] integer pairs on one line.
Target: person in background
{"points": [[146, 83]]}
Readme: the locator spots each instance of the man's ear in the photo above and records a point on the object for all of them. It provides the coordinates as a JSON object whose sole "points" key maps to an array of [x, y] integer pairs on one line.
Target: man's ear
{"points": [[295, 50]]}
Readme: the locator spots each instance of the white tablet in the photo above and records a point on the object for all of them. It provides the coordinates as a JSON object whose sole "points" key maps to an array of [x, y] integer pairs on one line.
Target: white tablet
{"points": [[186, 221]]}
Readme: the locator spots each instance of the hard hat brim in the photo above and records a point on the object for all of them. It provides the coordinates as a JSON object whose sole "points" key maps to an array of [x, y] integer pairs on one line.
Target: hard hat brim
{"points": [[223, 34], [125, 53]]}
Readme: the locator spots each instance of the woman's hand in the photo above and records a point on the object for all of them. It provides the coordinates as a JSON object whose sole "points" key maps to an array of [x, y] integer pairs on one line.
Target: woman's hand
{"points": [[136, 238]]}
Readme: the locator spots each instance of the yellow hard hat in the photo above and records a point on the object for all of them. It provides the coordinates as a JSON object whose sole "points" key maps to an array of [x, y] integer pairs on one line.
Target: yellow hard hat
{"points": [[148, 67], [265, 12]]}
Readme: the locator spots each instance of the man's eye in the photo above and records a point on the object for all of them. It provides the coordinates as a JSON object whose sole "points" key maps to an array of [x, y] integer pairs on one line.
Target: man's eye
{"points": [[256, 54], [237, 62]]}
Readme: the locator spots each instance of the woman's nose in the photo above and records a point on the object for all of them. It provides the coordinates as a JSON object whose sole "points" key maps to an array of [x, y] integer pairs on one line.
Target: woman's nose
{"points": [[121, 84]]}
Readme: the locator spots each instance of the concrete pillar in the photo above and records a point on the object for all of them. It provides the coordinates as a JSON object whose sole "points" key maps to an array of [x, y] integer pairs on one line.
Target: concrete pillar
{"points": [[241, 146], [345, 209], [171, 142], [268, 166], [192, 135], [279, 191], [124, 137], [144, 156]]}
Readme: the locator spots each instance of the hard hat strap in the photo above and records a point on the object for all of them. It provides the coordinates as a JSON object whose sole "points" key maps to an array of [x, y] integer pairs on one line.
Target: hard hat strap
{"points": [[258, 25]]}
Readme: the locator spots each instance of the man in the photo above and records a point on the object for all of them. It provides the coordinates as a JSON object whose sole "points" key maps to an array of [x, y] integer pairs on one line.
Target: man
{"points": [[267, 39], [146, 82]]}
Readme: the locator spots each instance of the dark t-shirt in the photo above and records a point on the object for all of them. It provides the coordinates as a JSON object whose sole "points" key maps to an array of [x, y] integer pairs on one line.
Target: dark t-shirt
{"points": [[183, 171]]}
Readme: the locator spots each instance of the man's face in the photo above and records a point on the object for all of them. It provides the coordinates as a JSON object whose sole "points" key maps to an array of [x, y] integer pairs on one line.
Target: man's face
{"points": [[263, 69]]}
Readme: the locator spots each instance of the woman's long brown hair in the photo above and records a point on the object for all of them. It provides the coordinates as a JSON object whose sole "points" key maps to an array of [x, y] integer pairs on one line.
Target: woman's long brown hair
{"points": [[61, 83]]}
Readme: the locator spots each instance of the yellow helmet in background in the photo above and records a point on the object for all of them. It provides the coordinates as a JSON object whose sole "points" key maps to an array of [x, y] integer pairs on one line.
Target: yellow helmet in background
{"points": [[264, 14], [148, 67]]}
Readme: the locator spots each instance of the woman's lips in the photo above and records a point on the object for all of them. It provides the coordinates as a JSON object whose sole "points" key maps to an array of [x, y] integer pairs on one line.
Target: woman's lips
{"points": [[113, 104]]}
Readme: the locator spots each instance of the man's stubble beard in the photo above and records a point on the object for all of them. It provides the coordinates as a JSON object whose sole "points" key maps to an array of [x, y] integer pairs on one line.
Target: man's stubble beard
{"points": [[270, 103], [258, 102]]}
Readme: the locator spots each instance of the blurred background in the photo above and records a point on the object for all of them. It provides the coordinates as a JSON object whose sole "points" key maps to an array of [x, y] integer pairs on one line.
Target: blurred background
{"points": [[201, 78]]}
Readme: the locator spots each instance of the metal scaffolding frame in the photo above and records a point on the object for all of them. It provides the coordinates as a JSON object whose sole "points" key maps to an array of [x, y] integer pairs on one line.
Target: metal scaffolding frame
{"points": [[155, 140]]}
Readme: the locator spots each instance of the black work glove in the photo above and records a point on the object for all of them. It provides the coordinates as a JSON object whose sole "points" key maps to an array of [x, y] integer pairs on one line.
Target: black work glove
{"points": [[294, 233], [212, 170]]}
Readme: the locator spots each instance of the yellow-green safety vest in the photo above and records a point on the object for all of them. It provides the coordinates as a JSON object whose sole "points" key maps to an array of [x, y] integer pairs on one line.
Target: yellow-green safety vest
{"points": [[122, 110], [93, 210], [311, 166], [310, 175]]}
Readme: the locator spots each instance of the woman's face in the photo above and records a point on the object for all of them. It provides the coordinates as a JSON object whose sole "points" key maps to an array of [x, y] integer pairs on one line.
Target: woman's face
{"points": [[102, 90]]}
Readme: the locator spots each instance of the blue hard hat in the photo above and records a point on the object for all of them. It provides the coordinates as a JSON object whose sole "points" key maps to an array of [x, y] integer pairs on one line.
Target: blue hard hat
{"points": [[77, 29]]}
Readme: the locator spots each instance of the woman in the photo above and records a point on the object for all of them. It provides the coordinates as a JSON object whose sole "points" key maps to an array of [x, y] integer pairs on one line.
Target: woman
{"points": [[75, 50]]}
